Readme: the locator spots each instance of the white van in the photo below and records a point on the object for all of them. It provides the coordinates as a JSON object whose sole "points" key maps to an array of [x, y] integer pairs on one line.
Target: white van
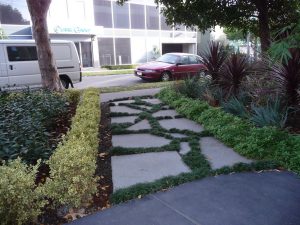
{"points": [[19, 64]]}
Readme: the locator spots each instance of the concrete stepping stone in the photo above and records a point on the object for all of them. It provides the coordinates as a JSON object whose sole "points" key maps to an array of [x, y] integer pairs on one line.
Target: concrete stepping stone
{"points": [[177, 135], [220, 155], [181, 124], [153, 101], [145, 107], [169, 112], [144, 124], [138, 141], [124, 101], [184, 148], [141, 168], [123, 109], [123, 119]]}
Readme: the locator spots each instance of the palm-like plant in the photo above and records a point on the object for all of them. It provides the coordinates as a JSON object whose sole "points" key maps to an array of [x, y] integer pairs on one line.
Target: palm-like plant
{"points": [[213, 59], [287, 78], [233, 72]]}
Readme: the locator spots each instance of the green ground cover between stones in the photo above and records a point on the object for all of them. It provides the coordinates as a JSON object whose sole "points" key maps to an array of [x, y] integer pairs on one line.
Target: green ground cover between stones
{"points": [[199, 165]]}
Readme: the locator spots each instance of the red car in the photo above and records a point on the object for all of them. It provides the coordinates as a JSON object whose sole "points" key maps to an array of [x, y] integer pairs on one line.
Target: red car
{"points": [[171, 66]]}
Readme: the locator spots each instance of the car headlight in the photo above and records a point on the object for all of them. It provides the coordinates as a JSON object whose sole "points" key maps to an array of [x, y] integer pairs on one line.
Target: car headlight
{"points": [[149, 71]]}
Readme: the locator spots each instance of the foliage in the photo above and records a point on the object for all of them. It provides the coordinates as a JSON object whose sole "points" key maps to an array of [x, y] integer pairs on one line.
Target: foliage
{"points": [[288, 37], [235, 69], [267, 143], [192, 87], [72, 166], [24, 121], [234, 34], [2, 34], [214, 59], [287, 78], [273, 114], [20, 200], [237, 106]]}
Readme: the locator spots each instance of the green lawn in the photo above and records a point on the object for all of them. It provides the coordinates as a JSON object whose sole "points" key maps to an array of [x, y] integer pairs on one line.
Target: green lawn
{"points": [[135, 87], [107, 72]]}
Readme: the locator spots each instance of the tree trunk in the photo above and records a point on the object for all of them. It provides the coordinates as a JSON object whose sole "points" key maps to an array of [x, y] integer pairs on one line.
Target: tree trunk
{"points": [[38, 11], [263, 24]]}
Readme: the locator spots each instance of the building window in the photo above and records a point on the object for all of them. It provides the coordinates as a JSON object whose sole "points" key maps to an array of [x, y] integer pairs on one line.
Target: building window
{"points": [[152, 18], [121, 16], [106, 51], [22, 53], [163, 23], [16, 13], [137, 13], [123, 51], [102, 12]]}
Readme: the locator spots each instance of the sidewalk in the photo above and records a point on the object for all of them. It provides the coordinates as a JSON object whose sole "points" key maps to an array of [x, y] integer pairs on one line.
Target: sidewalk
{"points": [[269, 198]]}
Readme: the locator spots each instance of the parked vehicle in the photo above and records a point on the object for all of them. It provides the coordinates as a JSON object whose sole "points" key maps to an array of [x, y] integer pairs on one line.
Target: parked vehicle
{"points": [[171, 66], [19, 63]]}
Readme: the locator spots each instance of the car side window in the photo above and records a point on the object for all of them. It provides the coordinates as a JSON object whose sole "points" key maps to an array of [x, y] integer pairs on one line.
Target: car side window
{"points": [[184, 60], [22, 53], [193, 60]]}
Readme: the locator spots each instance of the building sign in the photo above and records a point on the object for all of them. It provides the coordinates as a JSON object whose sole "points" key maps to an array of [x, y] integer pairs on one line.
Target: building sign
{"points": [[71, 30]]}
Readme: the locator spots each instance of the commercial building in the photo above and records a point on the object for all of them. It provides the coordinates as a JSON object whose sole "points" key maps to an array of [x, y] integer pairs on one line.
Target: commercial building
{"points": [[104, 32]]}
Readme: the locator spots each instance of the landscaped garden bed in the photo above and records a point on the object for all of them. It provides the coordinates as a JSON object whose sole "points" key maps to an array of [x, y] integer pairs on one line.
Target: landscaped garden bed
{"points": [[71, 181]]}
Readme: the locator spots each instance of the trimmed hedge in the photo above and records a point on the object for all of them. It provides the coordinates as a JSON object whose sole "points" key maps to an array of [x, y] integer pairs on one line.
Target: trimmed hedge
{"points": [[72, 180], [267, 143]]}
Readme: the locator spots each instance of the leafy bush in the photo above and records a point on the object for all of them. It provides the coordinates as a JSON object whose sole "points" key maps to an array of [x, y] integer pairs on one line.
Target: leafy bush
{"points": [[213, 59], [267, 143], [24, 119], [20, 200], [73, 164], [273, 114]]}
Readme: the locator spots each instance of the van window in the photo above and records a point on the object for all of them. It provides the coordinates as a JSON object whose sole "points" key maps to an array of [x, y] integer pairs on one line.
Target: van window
{"points": [[61, 52], [22, 53]]}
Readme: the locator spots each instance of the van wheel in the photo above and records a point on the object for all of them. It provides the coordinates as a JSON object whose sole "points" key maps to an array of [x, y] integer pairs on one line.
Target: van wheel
{"points": [[64, 82], [165, 76]]}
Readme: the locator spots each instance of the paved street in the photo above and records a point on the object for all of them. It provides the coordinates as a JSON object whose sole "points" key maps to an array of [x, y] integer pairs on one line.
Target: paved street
{"points": [[108, 81]]}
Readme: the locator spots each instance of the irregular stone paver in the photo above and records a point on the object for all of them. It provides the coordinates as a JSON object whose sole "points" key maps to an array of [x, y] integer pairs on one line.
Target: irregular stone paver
{"points": [[124, 109], [181, 124], [169, 112], [268, 198], [145, 107], [139, 141], [142, 168], [144, 124], [184, 148], [123, 119], [218, 154], [177, 135], [153, 101], [125, 101]]}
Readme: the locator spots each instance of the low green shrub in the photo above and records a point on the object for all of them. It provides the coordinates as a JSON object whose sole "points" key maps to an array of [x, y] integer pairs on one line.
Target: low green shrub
{"points": [[24, 121], [73, 164], [118, 67], [266, 143], [20, 200]]}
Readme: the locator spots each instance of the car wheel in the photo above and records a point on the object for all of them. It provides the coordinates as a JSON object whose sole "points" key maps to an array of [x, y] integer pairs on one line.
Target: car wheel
{"points": [[165, 76], [64, 82]]}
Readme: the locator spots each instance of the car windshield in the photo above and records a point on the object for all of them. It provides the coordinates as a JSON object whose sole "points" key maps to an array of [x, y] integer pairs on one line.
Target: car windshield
{"points": [[168, 58]]}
